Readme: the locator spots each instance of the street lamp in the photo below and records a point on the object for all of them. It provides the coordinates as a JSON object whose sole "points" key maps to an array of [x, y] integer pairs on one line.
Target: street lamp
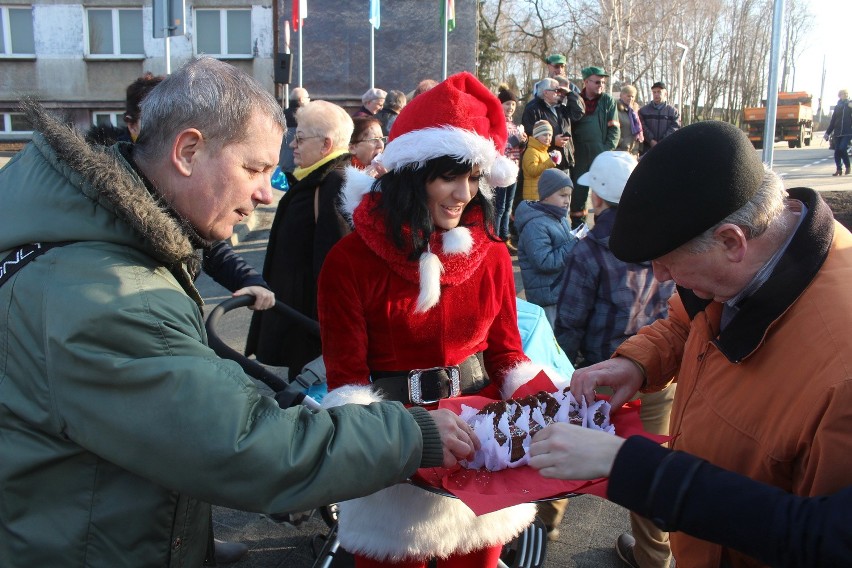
{"points": [[679, 105]]}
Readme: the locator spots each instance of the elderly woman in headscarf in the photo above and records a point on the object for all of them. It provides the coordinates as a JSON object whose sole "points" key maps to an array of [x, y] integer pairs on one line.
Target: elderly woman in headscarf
{"points": [[308, 222]]}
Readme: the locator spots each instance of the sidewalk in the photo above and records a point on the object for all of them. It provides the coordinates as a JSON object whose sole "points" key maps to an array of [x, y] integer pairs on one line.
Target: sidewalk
{"points": [[587, 534]]}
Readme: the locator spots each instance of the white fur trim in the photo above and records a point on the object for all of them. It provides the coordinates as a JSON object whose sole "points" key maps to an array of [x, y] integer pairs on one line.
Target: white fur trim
{"points": [[430, 281], [457, 241], [355, 187], [404, 521], [351, 394], [519, 375], [415, 148]]}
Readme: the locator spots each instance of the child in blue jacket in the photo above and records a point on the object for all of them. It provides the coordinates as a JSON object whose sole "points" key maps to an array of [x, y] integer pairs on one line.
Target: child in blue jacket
{"points": [[545, 239]]}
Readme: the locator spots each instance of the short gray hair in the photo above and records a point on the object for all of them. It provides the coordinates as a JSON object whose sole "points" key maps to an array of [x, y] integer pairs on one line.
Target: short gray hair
{"points": [[322, 118], [209, 95], [543, 85], [765, 208], [395, 100]]}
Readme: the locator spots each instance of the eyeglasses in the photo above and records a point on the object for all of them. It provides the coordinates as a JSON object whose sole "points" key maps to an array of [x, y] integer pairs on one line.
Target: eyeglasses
{"points": [[299, 140], [599, 82], [375, 141]]}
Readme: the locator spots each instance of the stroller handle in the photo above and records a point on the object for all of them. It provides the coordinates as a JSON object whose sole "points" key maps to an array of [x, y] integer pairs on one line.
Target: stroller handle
{"points": [[286, 394]]}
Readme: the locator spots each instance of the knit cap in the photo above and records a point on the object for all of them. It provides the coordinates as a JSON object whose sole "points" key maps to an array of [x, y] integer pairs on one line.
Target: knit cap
{"points": [[541, 127], [551, 181]]}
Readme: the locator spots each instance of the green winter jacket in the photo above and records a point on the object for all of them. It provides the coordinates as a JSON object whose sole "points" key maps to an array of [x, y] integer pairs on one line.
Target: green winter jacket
{"points": [[118, 425], [595, 133]]}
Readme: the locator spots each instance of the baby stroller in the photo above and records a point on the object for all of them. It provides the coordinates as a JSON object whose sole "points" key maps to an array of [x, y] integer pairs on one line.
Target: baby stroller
{"points": [[526, 551]]}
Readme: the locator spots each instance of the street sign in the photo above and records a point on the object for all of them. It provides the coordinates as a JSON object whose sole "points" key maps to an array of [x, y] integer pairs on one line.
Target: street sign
{"points": [[169, 15]]}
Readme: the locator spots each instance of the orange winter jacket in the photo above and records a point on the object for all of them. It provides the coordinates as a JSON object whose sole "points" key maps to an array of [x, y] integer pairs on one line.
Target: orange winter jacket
{"points": [[771, 396]]}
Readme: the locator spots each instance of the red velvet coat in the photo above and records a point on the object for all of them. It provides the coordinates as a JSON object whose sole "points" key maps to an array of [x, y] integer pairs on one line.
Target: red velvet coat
{"points": [[380, 311], [368, 293]]}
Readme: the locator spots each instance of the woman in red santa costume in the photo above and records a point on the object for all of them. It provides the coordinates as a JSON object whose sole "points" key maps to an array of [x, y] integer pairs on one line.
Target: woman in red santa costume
{"points": [[418, 304]]}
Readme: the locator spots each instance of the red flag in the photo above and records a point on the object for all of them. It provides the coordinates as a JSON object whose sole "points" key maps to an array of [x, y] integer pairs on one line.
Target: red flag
{"points": [[300, 12]]}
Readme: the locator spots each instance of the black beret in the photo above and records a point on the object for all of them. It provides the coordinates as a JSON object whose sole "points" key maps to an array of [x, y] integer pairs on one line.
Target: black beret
{"points": [[684, 185]]}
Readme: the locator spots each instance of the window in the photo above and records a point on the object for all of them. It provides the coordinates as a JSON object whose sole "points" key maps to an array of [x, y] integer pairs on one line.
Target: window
{"points": [[114, 33], [15, 122], [108, 118], [16, 32], [223, 33]]}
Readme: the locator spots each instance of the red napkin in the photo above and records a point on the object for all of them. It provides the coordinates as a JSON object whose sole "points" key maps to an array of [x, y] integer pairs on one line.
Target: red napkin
{"points": [[487, 491]]}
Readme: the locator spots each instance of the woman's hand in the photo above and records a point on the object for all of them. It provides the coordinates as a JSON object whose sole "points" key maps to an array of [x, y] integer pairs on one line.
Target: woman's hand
{"points": [[566, 451], [457, 436]]}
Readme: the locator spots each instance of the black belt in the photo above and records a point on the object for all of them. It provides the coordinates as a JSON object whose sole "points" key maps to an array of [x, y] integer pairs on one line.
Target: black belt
{"points": [[428, 386]]}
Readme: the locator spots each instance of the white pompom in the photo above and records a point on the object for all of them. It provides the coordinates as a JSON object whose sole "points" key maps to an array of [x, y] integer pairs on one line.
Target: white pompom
{"points": [[504, 172], [458, 240]]}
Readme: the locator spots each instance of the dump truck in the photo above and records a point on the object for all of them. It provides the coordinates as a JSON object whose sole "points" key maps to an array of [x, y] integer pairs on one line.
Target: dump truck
{"points": [[794, 120]]}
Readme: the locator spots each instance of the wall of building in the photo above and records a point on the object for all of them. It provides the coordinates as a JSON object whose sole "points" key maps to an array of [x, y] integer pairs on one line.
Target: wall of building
{"points": [[335, 41]]}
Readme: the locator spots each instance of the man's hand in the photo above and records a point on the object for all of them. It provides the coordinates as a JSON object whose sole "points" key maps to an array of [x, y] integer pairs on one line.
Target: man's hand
{"points": [[264, 298], [457, 436], [826, 137], [622, 374], [561, 140], [566, 451]]}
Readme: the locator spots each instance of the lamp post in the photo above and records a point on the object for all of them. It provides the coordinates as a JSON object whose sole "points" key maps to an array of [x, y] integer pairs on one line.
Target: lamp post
{"points": [[679, 105]]}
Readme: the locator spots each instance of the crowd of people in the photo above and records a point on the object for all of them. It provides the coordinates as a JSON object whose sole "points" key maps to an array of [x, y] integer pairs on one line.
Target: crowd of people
{"points": [[669, 264]]}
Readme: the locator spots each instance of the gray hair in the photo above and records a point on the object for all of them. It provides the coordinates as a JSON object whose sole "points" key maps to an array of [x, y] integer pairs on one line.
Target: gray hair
{"points": [[206, 94], [395, 100], [322, 118], [543, 85], [373, 94], [765, 208]]}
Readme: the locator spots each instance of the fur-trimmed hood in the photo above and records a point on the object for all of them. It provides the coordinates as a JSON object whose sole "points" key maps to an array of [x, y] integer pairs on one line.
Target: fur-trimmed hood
{"points": [[72, 191]]}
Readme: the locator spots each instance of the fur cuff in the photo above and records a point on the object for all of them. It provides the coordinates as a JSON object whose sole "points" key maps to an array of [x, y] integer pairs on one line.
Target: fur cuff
{"points": [[351, 394], [406, 522], [519, 375]]}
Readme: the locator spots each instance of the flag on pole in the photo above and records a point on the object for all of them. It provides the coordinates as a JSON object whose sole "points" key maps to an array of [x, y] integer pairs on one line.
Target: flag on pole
{"points": [[450, 7], [300, 12], [375, 13]]}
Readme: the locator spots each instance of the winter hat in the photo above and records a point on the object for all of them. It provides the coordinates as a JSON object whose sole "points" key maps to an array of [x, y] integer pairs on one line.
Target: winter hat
{"points": [[659, 85], [556, 59], [551, 181], [608, 174], [459, 117], [541, 127], [373, 94], [506, 95], [684, 185]]}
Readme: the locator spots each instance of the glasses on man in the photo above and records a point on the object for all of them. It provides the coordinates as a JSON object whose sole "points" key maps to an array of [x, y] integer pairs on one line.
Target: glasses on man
{"points": [[299, 140], [598, 82], [375, 141]]}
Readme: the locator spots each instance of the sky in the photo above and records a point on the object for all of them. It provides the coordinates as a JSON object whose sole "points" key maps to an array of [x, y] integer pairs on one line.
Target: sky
{"points": [[830, 38]]}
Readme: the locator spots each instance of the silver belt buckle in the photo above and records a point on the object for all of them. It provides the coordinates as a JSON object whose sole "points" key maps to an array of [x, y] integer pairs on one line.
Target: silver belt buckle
{"points": [[415, 391]]}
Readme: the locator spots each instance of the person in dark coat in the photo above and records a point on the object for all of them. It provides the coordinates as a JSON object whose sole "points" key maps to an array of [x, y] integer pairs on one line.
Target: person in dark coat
{"points": [[841, 127], [548, 105], [307, 224]]}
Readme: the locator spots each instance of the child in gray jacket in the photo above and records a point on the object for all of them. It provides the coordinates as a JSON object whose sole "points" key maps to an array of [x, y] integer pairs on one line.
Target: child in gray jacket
{"points": [[545, 239]]}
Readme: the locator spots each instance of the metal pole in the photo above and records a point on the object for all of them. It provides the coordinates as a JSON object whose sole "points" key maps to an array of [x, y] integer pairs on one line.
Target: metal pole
{"points": [[680, 90], [772, 88], [301, 33], [372, 56], [166, 32], [446, 23]]}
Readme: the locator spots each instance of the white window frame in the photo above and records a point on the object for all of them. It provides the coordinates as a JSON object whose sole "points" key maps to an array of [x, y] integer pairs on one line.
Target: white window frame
{"points": [[116, 35], [7, 34], [223, 33], [6, 124], [116, 117]]}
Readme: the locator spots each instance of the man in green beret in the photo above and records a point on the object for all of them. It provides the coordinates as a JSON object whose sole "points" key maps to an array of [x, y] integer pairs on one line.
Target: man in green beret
{"points": [[597, 131], [555, 65], [757, 335]]}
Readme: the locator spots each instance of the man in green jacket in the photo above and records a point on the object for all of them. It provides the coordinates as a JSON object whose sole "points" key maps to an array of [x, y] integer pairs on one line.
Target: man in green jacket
{"points": [[118, 425], [598, 131]]}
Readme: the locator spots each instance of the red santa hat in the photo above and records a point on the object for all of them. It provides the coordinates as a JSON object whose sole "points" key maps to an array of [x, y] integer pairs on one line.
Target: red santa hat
{"points": [[459, 117]]}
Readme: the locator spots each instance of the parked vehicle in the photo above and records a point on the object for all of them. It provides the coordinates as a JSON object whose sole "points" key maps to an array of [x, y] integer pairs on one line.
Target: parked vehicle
{"points": [[794, 120]]}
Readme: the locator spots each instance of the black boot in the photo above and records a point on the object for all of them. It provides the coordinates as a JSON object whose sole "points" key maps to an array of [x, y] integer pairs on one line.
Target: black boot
{"points": [[839, 172]]}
